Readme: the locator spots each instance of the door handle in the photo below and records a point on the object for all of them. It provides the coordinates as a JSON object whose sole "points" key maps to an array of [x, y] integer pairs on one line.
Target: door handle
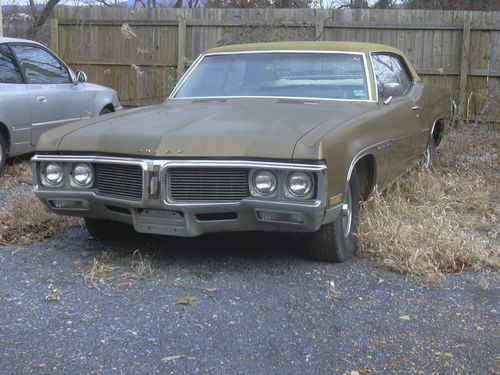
{"points": [[415, 108], [41, 99]]}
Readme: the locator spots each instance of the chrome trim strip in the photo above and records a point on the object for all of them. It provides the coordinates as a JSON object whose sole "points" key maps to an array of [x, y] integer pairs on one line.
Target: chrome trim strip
{"points": [[59, 121], [375, 76], [185, 76], [367, 151], [274, 97], [202, 56]]}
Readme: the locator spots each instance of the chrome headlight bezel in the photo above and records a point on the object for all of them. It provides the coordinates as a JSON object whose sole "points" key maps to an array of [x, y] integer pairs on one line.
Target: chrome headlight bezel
{"points": [[306, 179], [48, 182], [262, 174], [88, 181]]}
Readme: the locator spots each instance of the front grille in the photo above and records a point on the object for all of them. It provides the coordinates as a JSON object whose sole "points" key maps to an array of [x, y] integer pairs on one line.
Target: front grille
{"points": [[195, 184], [119, 180]]}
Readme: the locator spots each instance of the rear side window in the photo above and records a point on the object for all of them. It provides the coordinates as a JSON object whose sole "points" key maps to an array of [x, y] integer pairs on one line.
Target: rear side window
{"points": [[9, 71], [391, 69], [40, 66]]}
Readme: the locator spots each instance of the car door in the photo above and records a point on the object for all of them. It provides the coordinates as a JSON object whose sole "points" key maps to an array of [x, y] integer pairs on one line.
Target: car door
{"points": [[55, 99], [14, 102], [400, 105]]}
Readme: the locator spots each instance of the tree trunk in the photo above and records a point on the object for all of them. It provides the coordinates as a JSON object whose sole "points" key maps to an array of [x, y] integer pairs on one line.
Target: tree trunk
{"points": [[40, 19]]}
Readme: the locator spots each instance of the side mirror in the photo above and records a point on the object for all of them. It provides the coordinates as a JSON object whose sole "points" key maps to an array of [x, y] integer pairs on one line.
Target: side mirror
{"points": [[391, 89], [81, 77]]}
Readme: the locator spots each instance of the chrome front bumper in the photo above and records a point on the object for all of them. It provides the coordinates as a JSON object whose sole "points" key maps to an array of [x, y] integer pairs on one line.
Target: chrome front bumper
{"points": [[155, 213]]}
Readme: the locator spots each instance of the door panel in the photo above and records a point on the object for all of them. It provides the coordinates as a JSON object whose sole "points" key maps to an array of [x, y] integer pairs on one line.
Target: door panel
{"points": [[54, 99]]}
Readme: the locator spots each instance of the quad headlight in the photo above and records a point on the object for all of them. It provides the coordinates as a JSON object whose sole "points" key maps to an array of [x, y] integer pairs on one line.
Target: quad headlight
{"points": [[52, 174], [83, 174], [299, 184], [264, 182]]}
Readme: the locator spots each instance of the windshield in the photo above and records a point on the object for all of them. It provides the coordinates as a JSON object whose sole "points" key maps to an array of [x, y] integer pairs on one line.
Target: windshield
{"points": [[290, 74]]}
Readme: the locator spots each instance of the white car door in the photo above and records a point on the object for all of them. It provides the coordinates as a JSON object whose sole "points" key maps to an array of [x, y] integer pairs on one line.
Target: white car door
{"points": [[55, 99]]}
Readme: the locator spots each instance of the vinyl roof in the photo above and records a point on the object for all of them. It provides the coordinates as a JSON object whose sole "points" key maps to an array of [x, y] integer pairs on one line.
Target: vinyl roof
{"points": [[306, 46]]}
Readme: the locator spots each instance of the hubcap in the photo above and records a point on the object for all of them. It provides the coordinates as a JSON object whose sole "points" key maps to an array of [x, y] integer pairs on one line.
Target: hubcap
{"points": [[347, 212]]}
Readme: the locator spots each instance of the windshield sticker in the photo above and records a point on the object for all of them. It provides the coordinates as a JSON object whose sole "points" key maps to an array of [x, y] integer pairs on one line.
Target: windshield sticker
{"points": [[358, 93]]}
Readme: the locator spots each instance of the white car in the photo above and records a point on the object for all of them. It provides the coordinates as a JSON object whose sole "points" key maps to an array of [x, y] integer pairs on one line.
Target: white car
{"points": [[38, 91]]}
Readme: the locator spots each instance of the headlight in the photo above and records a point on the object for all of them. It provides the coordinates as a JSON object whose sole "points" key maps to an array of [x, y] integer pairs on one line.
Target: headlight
{"points": [[299, 184], [264, 182], [53, 174], [83, 174]]}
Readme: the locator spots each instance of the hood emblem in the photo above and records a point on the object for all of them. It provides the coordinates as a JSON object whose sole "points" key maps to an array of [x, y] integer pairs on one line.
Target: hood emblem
{"points": [[179, 151], [146, 150]]}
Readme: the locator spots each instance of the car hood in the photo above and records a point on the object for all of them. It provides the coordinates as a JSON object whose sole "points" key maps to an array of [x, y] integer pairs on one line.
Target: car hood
{"points": [[254, 128]]}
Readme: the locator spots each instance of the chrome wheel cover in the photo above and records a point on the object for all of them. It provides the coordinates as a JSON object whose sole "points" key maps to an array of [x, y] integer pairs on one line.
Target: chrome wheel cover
{"points": [[347, 212]]}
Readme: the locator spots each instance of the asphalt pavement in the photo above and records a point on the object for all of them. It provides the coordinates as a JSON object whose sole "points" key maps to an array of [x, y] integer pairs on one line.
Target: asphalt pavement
{"points": [[244, 303]]}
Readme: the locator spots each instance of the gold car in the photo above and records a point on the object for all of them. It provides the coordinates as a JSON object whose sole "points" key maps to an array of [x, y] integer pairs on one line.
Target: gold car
{"points": [[258, 137]]}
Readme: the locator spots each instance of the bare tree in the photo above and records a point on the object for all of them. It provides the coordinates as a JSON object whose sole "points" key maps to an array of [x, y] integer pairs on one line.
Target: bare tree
{"points": [[40, 17]]}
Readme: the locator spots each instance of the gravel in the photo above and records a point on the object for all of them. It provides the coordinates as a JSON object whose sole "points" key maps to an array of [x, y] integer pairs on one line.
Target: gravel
{"points": [[259, 306]]}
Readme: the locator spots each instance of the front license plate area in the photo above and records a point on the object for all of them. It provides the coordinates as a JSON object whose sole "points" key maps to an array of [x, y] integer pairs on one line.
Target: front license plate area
{"points": [[160, 222]]}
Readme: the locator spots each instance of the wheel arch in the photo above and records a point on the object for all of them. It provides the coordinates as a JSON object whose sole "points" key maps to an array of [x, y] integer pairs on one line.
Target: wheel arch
{"points": [[437, 130], [366, 167], [4, 131], [109, 106]]}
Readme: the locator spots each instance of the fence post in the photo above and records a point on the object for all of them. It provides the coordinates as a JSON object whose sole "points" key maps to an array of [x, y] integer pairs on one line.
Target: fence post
{"points": [[464, 69], [181, 46], [54, 35]]}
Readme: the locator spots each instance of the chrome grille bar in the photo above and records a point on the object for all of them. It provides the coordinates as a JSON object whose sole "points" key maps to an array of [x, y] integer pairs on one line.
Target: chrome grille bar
{"points": [[202, 184], [119, 180]]}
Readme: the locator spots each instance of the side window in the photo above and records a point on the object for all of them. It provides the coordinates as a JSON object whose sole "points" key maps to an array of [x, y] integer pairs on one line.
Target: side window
{"points": [[9, 72], [391, 69], [40, 66]]}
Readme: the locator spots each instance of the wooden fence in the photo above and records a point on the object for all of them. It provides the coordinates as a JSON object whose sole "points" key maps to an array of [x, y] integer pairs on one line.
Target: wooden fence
{"points": [[143, 52]]}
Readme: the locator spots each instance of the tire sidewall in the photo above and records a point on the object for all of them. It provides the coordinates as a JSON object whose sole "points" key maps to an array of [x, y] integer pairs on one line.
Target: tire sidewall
{"points": [[347, 245], [3, 153]]}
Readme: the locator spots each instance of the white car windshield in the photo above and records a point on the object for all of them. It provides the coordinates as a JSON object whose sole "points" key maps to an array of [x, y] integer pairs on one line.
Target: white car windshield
{"points": [[278, 74]]}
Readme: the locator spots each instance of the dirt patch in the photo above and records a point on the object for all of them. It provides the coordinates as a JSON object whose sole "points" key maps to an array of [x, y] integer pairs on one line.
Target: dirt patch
{"points": [[431, 223]]}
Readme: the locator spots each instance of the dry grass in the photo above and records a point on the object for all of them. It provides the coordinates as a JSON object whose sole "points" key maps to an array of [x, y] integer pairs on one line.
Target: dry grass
{"points": [[17, 172], [432, 223], [26, 219], [107, 271]]}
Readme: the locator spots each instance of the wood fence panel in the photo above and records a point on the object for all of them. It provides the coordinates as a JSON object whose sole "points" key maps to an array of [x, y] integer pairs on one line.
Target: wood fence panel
{"points": [[136, 51]]}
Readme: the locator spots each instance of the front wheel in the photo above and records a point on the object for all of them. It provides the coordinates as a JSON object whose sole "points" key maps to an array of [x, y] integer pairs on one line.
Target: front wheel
{"points": [[337, 241], [107, 230], [105, 111]]}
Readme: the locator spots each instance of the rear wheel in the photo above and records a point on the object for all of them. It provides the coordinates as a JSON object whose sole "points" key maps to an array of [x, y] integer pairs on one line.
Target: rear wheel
{"points": [[3, 153], [337, 241], [108, 230]]}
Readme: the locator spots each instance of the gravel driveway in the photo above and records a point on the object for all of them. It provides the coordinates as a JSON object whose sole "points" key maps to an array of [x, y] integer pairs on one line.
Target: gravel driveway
{"points": [[253, 304]]}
